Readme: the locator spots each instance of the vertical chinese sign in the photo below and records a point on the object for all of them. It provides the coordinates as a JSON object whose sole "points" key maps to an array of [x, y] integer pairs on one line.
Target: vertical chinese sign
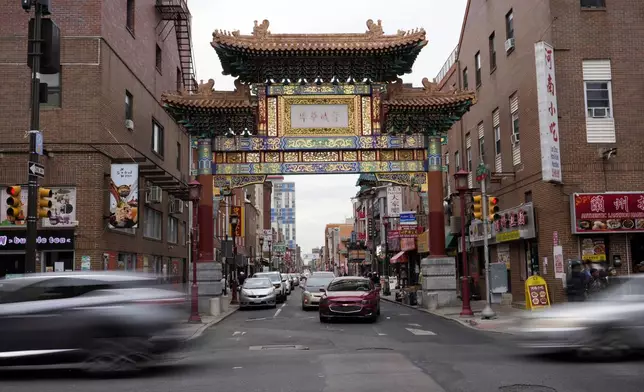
{"points": [[548, 120], [239, 211], [394, 201]]}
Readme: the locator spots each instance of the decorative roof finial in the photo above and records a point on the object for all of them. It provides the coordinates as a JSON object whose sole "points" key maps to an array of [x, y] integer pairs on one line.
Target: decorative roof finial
{"points": [[429, 87], [374, 29], [261, 30], [206, 88]]}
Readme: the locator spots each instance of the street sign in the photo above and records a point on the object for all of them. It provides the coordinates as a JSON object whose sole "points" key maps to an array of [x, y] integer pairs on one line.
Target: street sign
{"points": [[39, 143], [36, 169]]}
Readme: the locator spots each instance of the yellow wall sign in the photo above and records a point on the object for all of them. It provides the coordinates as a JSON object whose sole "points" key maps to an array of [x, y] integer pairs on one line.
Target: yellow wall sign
{"points": [[508, 236], [536, 293]]}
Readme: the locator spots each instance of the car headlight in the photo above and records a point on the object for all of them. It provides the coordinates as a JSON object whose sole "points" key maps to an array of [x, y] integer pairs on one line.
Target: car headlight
{"points": [[244, 292], [306, 294]]}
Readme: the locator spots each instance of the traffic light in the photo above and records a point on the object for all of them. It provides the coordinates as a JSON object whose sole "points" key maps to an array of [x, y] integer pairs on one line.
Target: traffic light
{"points": [[44, 203], [493, 209], [477, 207], [14, 204]]}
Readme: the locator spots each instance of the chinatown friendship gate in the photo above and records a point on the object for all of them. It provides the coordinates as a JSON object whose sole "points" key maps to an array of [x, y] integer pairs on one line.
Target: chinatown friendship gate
{"points": [[318, 104]]}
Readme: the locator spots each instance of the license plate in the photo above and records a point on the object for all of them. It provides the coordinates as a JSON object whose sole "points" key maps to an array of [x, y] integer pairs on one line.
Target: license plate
{"points": [[257, 301]]}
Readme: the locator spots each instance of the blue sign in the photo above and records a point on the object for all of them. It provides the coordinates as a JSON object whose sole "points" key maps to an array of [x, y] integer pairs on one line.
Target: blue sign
{"points": [[408, 218], [39, 143]]}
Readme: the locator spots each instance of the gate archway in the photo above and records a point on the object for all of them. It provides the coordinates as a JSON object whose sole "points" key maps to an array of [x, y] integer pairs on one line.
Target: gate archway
{"points": [[318, 104]]}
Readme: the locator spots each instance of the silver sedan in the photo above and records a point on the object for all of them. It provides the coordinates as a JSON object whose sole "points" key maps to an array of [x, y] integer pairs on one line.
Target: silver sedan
{"points": [[311, 293], [258, 292]]}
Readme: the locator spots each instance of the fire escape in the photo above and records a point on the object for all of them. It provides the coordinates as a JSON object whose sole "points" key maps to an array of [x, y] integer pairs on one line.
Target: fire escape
{"points": [[176, 11]]}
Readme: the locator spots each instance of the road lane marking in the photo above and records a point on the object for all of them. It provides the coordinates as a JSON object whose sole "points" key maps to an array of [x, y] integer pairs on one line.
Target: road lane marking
{"points": [[237, 367], [420, 332], [279, 311], [257, 319], [237, 333], [414, 325], [378, 332], [404, 314]]}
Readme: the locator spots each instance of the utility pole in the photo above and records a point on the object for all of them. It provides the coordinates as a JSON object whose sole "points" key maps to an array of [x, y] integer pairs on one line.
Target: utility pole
{"points": [[482, 174], [32, 198]]}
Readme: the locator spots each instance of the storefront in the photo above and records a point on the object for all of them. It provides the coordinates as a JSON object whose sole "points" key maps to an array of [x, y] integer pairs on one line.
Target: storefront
{"points": [[55, 251], [513, 243], [610, 230]]}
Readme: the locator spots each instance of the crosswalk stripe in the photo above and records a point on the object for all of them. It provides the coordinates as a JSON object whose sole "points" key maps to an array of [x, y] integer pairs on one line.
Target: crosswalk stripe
{"points": [[420, 332]]}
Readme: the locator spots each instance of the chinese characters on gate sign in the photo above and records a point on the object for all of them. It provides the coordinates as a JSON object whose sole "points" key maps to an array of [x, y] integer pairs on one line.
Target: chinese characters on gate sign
{"points": [[548, 116], [319, 116]]}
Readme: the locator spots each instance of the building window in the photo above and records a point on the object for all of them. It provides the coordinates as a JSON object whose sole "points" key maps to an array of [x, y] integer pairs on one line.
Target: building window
{"points": [[593, 3], [129, 22], [492, 53], [465, 82], [447, 160], [178, 156], [477, 67], [53, 89], [182, 233], [598, 98], [514, 113], [457, 160], [129, 106], [469, 158], [157, 138], [509, 25], [482, 149], [173, 230], [158, 59], [179, 80], [497, 132], [153, 220]]}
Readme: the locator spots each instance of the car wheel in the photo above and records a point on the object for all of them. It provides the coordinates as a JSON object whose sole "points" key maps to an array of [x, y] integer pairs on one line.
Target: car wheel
{"points": [[378, 311], [274, 305], [116, 356]]}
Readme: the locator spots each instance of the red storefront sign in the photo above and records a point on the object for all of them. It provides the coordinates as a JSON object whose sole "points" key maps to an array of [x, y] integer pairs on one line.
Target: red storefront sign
{"points": [[607, 212], [405, 232]]}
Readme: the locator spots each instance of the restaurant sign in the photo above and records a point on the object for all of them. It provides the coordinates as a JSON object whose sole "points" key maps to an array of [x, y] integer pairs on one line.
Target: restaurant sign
{"points": [[405, 232], [607, 213], [476, 231], [515, 223]]}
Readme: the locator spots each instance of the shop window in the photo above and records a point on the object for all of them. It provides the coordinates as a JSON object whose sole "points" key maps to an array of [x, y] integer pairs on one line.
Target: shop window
{"points": [[126, 262], [58, 261]]}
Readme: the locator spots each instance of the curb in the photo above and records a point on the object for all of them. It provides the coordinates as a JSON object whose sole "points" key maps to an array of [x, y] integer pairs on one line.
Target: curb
{"points": [[204, 327], [469, 323]]}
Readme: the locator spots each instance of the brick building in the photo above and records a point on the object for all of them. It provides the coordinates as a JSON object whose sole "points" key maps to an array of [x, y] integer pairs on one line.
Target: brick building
{"points": [[590, 132], [103, 109]]}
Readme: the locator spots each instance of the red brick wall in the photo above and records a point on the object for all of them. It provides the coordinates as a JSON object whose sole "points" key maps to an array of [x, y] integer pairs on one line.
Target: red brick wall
{"points": [[95, 74], [575, 36]]}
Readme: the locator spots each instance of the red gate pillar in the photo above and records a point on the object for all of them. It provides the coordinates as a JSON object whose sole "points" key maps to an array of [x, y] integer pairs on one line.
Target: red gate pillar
{"points": [[436, 215], [205, 210]]}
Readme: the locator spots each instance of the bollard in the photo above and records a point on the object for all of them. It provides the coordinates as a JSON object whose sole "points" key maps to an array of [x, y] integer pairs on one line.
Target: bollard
{"points": [[215, 306]]}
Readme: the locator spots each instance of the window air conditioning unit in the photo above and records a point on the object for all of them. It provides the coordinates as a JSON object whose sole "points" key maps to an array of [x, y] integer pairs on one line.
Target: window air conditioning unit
{"points": [[176, 207], [514, 139], [599, 112], [509, 44], [154, 194], [129, 125]]}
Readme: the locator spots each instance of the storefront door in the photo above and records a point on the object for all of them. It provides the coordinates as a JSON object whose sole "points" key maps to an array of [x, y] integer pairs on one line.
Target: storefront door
{"points": [[12, 264], [637, 253]]}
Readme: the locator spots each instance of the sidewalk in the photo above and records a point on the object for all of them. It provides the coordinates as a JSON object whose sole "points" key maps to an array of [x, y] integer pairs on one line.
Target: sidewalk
{"points": [[193, 331], [506, 318]]}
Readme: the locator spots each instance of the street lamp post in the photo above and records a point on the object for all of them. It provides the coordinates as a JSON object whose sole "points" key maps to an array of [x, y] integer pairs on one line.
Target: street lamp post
{"points": [[194, 196], [385, 267], [234, 221], [261, 250], [462, 188], [270, 256]]}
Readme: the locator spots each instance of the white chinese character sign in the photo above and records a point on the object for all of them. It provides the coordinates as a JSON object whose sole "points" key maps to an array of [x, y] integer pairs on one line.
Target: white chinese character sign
{"points": [[394, 201], [319, 116], [548, 120]]}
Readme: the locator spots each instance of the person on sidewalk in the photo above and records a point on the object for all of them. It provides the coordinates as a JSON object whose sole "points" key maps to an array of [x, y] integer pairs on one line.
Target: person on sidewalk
{"points": [[577, 283]]}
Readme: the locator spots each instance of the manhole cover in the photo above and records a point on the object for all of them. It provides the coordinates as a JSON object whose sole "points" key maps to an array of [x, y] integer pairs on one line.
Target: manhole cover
{"points": [[374, 348], [526, 388], [278, 347]]}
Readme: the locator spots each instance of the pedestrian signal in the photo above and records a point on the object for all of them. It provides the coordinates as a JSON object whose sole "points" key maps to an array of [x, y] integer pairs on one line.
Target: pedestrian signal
{"points": [[15, 207], [44, 202], [477, 207], [493, 209]]}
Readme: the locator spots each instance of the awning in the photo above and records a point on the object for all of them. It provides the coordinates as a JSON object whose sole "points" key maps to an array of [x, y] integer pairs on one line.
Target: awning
{"points": [[400, 257], [450, 241]]}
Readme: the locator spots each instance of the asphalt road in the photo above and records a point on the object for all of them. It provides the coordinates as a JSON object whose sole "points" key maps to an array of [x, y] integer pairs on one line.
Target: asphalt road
{"points": [[287, 349]]}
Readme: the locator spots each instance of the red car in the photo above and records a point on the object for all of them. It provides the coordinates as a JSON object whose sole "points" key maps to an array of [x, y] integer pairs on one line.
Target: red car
{"points": [[350, 297]]}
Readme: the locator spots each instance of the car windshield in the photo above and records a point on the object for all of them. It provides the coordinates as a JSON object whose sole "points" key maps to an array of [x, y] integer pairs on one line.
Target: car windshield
{"points": [[318, 282], [257, 283], [349, 285], [275, 278]]}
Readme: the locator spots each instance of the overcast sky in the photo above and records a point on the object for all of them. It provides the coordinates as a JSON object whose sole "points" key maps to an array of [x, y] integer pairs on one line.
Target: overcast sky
{"points": [[326, 199]]}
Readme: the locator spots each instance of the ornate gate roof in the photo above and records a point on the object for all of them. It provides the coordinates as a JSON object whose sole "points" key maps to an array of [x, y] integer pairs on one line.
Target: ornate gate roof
{"points": [[263, 55]]}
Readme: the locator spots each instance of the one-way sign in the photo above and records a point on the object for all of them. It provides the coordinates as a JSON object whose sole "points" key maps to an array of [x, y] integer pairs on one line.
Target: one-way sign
{"points": [[36, 169]]}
